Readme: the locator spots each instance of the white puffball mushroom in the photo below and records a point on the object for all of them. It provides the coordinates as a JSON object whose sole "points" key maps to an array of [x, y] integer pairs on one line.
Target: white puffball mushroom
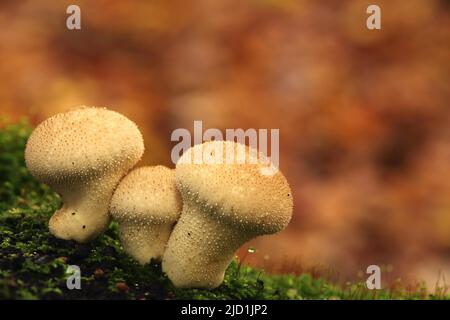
{"points": [[82, 154], [224, 205], [146, 204]]}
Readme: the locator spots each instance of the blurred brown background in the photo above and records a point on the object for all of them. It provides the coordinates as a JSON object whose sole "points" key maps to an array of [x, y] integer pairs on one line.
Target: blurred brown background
{"points": [[363, 115]]}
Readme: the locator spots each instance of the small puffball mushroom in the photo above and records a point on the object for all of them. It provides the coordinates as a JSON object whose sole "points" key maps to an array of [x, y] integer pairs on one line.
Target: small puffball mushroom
{"points": [[146, 204], [226, 202], [82, 154]]}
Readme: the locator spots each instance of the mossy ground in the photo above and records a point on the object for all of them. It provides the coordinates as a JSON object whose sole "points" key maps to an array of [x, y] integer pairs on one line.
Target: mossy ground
{"points": [[33, 263]]}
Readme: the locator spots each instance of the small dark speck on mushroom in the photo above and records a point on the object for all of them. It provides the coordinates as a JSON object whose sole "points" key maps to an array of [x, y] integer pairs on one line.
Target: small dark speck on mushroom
{"points": [[189, 234], [84, 227], [73, 213]]}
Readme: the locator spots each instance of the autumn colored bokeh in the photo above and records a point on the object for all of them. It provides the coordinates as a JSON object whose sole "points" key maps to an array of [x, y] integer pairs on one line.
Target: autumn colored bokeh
{"points": [[364, 116]]}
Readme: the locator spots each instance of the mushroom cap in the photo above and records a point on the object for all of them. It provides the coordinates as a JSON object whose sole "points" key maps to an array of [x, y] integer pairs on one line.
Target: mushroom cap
{"points": [[147, 194], [83, 142], [236, 193]]}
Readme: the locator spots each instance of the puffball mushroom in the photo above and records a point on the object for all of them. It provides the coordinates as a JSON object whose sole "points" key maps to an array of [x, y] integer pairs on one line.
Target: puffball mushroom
{"points": [[224, 205], [146, 204], [82, 154]]}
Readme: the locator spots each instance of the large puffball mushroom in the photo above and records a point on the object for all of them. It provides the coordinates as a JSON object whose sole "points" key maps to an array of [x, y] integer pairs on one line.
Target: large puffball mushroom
{"points": [[82, 154], [146, 204], [227, 200]]}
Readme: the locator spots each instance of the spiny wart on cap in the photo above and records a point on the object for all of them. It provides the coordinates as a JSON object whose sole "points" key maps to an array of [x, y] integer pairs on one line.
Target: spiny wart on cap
{"points": [[225, 204], [82, 154], [146, 204]]}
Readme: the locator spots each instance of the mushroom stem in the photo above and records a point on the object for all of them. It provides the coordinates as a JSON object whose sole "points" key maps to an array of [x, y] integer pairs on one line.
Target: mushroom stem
{"points": [[151, 238], [84, 214], [200, 248]]}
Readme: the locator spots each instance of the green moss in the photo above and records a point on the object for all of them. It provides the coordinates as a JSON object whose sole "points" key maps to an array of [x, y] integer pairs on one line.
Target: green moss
{"points": [[33, 263]]}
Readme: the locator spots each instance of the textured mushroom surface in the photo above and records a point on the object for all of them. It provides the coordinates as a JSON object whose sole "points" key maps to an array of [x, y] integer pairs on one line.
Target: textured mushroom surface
{"points": [[225, 204], [146, 204], [82, 154]]}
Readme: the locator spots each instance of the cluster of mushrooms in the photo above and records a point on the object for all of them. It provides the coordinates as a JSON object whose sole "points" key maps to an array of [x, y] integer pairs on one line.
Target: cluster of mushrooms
{"points": [[192, 218]]}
